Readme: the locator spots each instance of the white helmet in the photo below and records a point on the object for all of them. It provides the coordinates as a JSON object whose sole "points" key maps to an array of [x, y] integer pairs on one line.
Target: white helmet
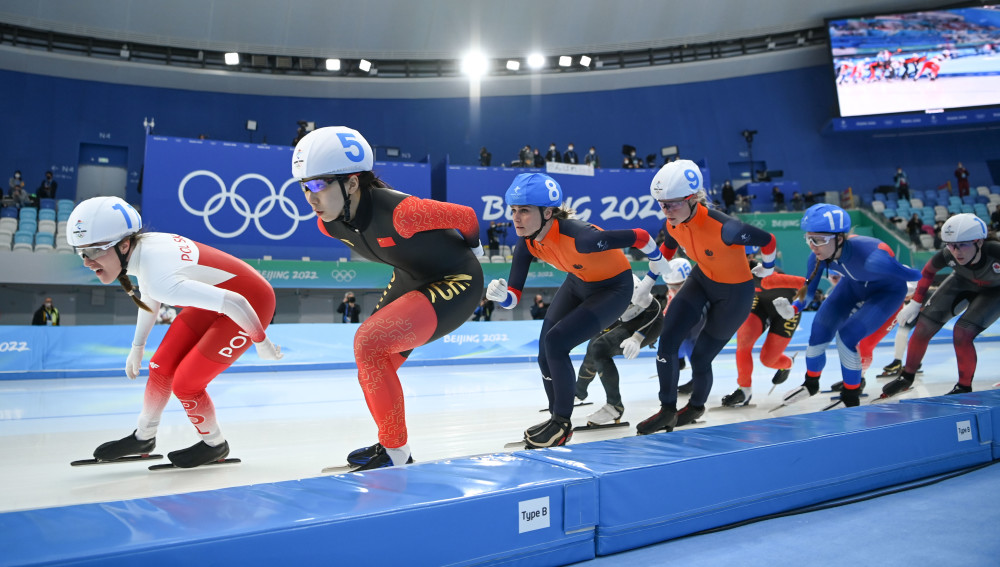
{"points": [[334, 150], [101, 219], [676, 180], [680, 269], [963, 227]]}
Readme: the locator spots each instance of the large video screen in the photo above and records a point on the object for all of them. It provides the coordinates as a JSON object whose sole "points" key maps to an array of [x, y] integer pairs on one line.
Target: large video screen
{"points": [[917, 61]]}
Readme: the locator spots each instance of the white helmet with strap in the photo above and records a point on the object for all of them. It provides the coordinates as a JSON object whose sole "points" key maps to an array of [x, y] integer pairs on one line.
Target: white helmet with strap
{"points": [[680, 269], [964, 227], [331, 151], [101, 220], [676, 180]]}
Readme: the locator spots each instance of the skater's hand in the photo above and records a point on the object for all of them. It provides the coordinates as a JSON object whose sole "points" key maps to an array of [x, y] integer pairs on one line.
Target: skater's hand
{"points": [[497, 290], [908, 314], [783, 307], [660, 266], [761, 272], [478, 249], [642, 294], [133, 364], [266, 350], [631, 346]]}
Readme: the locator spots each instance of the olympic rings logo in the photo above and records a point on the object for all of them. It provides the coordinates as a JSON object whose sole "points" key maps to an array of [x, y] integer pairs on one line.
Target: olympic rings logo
{"points": [[241, 206], [343, 275]]}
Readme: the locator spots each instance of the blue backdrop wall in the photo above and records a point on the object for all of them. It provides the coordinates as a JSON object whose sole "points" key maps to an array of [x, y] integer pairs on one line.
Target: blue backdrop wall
{"points": [[47, 120]]}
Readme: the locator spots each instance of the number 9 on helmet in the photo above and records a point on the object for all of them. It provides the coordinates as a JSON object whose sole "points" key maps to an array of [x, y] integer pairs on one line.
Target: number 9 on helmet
{"points": [[676, 180], [101, 219]]}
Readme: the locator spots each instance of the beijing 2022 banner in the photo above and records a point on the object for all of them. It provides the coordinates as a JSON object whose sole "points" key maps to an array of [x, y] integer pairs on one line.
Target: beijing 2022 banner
{"points": [[241, 198]]}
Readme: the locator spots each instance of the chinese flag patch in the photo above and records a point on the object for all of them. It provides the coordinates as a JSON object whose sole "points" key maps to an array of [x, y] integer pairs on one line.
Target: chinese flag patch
{"points": [[386, 242]]}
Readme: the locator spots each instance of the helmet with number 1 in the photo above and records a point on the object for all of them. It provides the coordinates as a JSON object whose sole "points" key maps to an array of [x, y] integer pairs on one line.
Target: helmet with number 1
{"points": [[676, 180], [101, 220], [680, 269], [535, 189], [826, 218], [964, 227], [331, 151]]}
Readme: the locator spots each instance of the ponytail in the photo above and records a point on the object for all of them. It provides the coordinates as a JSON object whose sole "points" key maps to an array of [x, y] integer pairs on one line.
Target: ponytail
{"points": [[127, 283], [801, 294]]}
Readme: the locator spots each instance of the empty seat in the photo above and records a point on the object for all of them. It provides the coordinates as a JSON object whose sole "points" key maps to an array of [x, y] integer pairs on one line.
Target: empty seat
{"points": [[29, 226], [983, 190], [47, 214], [878, 206], [28, 213], [916, 203], [967, 209], [62, 216], [44, 242], [930, 202], [927, 241], [484, 259], [8, 212], [65, 205], [47, 204], [991, 207], [954, 209], [23, 241], [879, 197], [496, 259], [47, 226], [8, 223], [994, 198]]}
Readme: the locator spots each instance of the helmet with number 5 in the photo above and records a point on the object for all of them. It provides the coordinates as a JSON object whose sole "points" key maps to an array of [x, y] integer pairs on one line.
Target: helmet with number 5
{"points": [[964, 227], [101, 219], [826, 218], [535, 189], [676, 180], [331, 151]]}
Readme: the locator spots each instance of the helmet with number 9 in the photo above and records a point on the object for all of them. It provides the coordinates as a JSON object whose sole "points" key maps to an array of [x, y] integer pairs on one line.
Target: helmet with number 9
{"points": [[964, 227], [101, 219], [330, 151], [680, 269], [676, 180], [826, 218], [535, 189]]}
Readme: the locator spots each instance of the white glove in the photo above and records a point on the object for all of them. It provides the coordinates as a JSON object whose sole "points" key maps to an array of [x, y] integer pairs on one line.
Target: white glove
{"points": [[783, 307], [908, 314], [631, 312], [478, 250], [761, 272], [266, 350], [133, 364], [660, 267], [631, 346], [642, 295], [497, 290]]}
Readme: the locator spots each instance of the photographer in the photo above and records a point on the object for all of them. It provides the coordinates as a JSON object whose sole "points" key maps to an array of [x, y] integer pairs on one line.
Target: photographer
{"points": [[494, 234], [349, 309]]}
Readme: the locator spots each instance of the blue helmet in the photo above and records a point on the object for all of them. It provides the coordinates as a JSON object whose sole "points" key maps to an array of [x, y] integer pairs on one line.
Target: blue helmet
{"points": [[535, 189], [826, 218]]}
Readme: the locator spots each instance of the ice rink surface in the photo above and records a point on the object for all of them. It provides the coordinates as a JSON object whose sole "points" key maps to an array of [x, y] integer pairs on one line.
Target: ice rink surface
{"points": [[289, 425]]}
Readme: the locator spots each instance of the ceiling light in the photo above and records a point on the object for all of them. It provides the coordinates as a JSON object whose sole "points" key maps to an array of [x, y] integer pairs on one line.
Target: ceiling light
{"points": [[475, 64], [333, 64], [565, 61], [365, 65], [536, 60], [513, 65], [585, 61], [232, 58]]}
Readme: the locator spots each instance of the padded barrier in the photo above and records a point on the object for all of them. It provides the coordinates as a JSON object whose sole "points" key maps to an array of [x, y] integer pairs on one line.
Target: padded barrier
{"points": [[665, 486], [498, 509], [988, 400]]}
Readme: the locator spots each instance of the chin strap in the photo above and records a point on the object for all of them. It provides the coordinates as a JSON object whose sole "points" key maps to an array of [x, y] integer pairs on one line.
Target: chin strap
{"points": [[347, 200], [124, 262], [544, 220]]}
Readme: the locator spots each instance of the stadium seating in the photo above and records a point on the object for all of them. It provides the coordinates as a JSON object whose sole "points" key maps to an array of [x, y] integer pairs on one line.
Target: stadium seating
{"points": [[44, 242], [24, 241]]}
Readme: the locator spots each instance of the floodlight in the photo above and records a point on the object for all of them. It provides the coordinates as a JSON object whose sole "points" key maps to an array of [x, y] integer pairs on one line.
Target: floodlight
{"points": [[474, 64], [365, 65], [536, 60], [585, 61], [565, 61], [232, 58], [333, 64], [513, 65]]}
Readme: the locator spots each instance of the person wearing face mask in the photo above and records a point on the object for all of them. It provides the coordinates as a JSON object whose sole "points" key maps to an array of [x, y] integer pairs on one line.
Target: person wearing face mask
{"points": [[436, 284], [47, 314], [553, 154], [15, 182], [592, 159], [720, 288], [597, 289], [569, 156], [871, 289], [227, 307], [973, 286]]}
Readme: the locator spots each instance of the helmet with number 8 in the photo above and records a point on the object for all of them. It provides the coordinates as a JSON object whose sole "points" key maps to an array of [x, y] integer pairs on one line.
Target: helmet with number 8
{"points": [[101, 219], [826, 218], [964, 227], [676, 180], [680, 269], [535, 189], [331, 151]]}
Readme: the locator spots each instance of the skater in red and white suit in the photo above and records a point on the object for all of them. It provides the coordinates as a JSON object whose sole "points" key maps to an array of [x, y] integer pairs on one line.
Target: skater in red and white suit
{"points": [[226, 305]]}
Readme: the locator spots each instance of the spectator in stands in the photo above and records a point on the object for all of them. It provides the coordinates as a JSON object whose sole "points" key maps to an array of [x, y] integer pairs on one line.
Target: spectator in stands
{"points": [[485, 157], [914, 227], [962, 175], [553, 154], [902, 184], [994, 221], [777, 198], [485, 310], [15, 182], [592, 159], [817, 300], [47, 314], [651, 160], [629, 161], [20, 196], [537, 158], [569, 156], [527, 158], [539, 308], [798, 203], [349, 310], [47, 190], [728, 196], [938, 243]]}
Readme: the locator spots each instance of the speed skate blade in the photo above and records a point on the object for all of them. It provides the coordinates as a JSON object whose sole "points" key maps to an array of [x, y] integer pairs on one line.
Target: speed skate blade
{"points": [[125, 459], [522, 444], [545, 410], [339, 470], [596, 426], [835, 404], [171, 466]]}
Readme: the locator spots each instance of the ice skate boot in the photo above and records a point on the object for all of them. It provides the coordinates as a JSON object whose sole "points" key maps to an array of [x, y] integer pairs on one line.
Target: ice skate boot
{"points": [[892, 369], [663, 420], [380, 459], [534, 429], [556, 432], [839, 386], [959, 389], [897, 386], [200, 453], [781, 375], [606, 415], [686, 388], [360, 457], [689, 414], [113, 450], [737, 398], [808, 388]]}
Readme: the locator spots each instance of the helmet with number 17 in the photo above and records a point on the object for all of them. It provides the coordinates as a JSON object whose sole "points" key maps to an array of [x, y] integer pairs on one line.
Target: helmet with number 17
{"points": [[331, 151], [535, 189], [826, 218], [676, 180]]}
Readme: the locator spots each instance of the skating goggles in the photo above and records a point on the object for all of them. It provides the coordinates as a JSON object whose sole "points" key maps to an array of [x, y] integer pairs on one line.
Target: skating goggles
{"points": [[318, 184], [956, 246], [669, 206], [95, 252], [820, 239]]}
